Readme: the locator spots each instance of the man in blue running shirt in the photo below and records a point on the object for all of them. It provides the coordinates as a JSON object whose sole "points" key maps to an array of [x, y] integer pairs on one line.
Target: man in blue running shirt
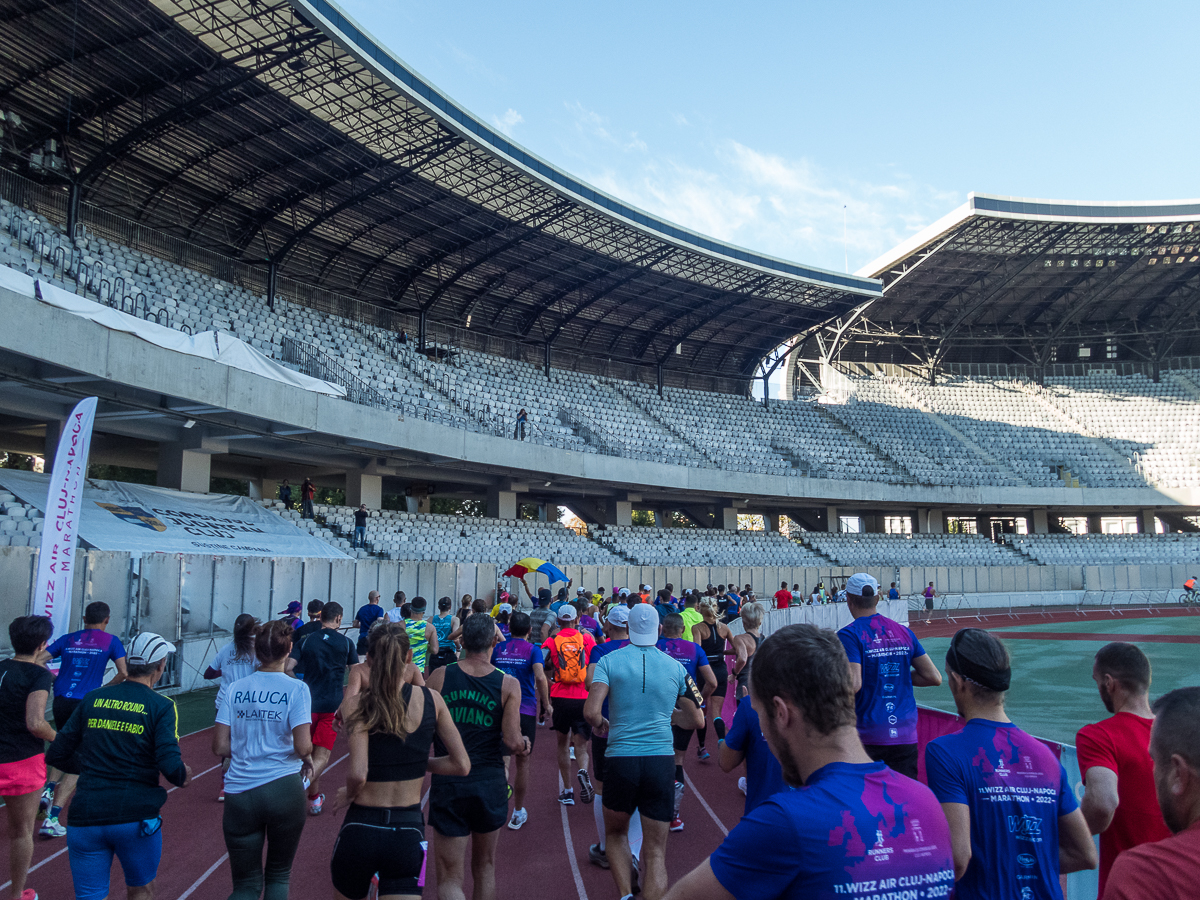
{"points": [[689, 655], [852, 827], [85, 656], [886, 663], [745, 741], [1013, 816], [523, 661]]}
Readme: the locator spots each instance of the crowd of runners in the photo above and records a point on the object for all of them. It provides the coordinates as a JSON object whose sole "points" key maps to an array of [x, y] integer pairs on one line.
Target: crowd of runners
{"points": [[824, 743]]}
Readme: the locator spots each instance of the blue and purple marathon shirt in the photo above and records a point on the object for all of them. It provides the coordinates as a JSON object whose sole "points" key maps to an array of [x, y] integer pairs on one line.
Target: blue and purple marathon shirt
{"points": [[687, 653], [884, 706], [516, 657], [85, 655], [598, 653], [1016, 789], [854, 830]]}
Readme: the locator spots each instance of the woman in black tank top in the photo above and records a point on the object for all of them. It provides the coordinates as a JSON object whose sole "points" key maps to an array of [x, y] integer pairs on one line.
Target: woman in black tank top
{"points": [[391, 725], [747, 645], [712, 635]]}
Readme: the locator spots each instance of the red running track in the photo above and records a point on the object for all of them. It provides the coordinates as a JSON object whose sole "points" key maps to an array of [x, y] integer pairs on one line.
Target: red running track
{"points": [[542, 857], [946, 626]]}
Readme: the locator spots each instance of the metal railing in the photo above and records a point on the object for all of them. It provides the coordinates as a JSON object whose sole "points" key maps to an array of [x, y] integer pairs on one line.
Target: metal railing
{"points": [[316, 364]]}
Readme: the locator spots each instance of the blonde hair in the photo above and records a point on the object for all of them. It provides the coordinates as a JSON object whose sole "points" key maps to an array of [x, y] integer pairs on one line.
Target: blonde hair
{"points": [[708, 607], [381, 708], [752, 614]]}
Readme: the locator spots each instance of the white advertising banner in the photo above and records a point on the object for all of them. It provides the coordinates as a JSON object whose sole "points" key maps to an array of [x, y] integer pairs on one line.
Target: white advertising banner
{"points": [[142, 519], [60, 531]]}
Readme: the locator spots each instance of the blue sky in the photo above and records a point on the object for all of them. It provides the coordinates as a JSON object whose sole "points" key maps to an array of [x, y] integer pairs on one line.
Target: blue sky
{"points": [[758, 122]]}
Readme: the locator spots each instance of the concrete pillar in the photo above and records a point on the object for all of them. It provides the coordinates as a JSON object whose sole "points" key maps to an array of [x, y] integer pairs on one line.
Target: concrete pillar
{"points": [[183, 469], [729, 516], [54, 429], [541, 508], [256, 489], [772, 522], [1094, 526], [872, 524], [619, 512], [920, 520], [1145, 522], [1040, 520], [269, 488], [502, 504], [983, 525], [660, 518], [366, 489], [832, 522], [937, 522]]}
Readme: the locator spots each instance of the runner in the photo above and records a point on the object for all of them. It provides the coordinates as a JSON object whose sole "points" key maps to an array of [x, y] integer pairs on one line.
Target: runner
{"points": [[745, 645], [365, 618], [523, 661], [389, 731], [644, 686], [745, 742], [567, 656], [444, 624], [321, 660], [291, 614], [853, 827], [359, 674], [422, 637], [1114, 757], [929, 594], [1005, 795], [541, 619], [691, 615], [694, 661], [396, 613], [503, 616], [24, 694], [486, 707], [121, 738], [783, 597], [85, 655], [235, 661], [313, 623], [264, 727], [886, 662], [616, 633], [712, 636]]}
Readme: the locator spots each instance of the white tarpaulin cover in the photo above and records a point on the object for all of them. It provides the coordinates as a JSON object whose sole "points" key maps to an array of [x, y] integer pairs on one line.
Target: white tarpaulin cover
{"points": [[141, 519], [218, 346]]}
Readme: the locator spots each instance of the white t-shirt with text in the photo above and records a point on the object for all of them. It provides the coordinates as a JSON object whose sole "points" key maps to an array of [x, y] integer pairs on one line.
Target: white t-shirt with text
{"points": [[232, 668], [261, 710]]}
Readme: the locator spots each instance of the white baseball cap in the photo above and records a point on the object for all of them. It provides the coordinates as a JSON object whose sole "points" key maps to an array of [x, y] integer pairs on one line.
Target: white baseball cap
{"points": [[624, 592], [566, 613], [618, 616], [505, 607], [643, 625], [859, 582], [147, 649]]}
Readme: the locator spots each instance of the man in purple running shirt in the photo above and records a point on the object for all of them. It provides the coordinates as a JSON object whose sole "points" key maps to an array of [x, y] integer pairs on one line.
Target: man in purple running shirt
{"points": [[886, 662], [1013, 816], [523, 661], [853, 827]]}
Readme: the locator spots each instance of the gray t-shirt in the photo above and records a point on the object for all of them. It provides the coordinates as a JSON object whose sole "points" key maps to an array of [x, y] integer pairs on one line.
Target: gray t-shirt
{"points": [[643, 685]]}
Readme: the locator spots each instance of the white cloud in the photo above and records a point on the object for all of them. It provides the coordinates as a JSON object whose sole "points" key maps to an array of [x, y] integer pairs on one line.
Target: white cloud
{"points": [[508, 121], [783, 206]]}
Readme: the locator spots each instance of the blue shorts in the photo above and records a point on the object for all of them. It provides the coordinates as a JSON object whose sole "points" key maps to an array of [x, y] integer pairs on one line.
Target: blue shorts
{"points": [[91, 849]]}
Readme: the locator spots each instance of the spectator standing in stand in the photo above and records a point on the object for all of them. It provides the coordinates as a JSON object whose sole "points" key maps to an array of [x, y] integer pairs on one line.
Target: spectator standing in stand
{"points": [[886, 663], [119, 740], [307, 490], [1170, 868], [85, 656], [24, 694], [519, 430], [360, 526], [1114, 758], [285, 494], [365, 618]]}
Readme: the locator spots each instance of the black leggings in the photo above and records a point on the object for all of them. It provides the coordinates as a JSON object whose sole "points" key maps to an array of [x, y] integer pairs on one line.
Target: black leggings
{"points": [[379, 840], [273, 813]]}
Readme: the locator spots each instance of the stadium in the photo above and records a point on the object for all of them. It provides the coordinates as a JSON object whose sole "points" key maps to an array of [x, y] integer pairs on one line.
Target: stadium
{"points": [[276, 253]]}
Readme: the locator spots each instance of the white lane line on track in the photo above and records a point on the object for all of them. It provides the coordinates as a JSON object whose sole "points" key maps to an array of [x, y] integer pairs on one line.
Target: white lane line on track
{"points": [[36, 866], [171, 790], [199, 881], [425, 799], [708, 809], [571, 846]]}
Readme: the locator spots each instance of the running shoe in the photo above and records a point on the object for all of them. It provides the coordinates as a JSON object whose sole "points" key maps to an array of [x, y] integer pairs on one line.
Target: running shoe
{"points": [[566, 798], [742, 784], [597, 857], [586, 791], [519, 818], [221, 796], [51, 828], [46, 801], [702, 754], [315, 805], [677, 824], [510, 792], [678, 799], [29, 894]]}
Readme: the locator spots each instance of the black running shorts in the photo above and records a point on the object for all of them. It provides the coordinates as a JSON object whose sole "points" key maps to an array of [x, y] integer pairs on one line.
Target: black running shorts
{"points": [[642, 783], [568, 716], [477, 804]]}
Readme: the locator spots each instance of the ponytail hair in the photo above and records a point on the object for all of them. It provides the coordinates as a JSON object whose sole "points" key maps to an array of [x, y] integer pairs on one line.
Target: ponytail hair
{"points": [[381, 708]]}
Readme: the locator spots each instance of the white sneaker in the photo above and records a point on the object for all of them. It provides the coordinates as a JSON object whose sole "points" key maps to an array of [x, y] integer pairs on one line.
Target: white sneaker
{"points": [[519, 818], [742, 784], [52, 828]]}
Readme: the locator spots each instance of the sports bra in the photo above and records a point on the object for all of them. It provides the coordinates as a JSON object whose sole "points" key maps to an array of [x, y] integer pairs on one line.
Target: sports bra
{"points": [[392, 758], [714, 646]]}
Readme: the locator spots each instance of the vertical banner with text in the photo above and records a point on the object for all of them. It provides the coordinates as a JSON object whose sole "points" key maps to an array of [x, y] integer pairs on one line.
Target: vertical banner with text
{"points": [[56, 562]]}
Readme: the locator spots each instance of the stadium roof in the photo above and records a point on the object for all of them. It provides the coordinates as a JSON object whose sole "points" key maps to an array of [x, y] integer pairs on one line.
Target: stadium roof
{"points": [[1033, 282], [280, 131]]}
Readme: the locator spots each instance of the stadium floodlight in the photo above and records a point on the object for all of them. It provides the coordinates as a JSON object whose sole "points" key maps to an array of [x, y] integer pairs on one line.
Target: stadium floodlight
{"points": [[189, 423]]}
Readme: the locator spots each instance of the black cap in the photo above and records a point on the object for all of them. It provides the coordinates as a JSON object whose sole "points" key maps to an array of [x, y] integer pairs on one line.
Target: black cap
{"points": [[314, 607]]}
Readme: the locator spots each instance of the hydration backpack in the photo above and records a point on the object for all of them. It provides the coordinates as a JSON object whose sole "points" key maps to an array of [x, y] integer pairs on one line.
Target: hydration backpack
{"points": [[571, 652]]}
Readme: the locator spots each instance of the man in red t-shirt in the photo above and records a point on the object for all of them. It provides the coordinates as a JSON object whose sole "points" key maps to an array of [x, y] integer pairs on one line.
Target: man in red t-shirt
{"points": [[1168, 869], [567, 654], [1114, 757], [783, 597]]}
